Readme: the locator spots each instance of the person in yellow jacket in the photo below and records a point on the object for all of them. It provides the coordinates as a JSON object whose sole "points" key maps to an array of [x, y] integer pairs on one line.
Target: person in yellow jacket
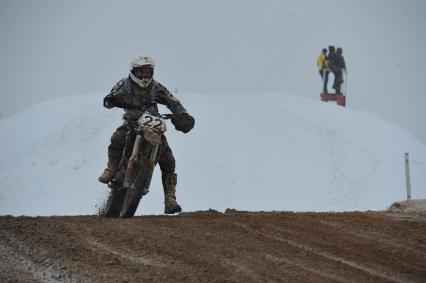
{"points": [[322, 64]]}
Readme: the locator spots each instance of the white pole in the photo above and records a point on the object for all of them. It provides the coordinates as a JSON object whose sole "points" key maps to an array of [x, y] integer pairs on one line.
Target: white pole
{"points": [[407, 176]]}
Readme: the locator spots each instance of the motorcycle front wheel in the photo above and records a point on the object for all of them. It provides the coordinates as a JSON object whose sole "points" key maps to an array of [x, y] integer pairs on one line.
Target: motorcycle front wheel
{"points": [[114, 203], [131, 202], [136, 191]]}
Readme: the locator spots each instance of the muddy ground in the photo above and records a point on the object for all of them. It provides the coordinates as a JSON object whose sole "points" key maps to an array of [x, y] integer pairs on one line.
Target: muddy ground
{"points": [[215, 247]]}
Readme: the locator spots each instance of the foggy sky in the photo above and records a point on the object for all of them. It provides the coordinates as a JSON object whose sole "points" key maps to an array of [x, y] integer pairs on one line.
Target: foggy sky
{"points": [[53, 48]]}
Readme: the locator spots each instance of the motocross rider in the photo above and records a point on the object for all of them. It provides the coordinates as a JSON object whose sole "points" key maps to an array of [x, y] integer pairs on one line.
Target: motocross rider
{"points": [[140, 91]]}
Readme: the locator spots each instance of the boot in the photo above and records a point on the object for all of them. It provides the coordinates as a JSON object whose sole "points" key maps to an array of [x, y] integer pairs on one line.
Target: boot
{"points": [[106, 176], [169, 184], [111, 170]]}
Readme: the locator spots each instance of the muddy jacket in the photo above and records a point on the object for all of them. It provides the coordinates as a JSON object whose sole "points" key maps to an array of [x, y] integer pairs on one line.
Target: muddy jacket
{"points": [[129, 95]]}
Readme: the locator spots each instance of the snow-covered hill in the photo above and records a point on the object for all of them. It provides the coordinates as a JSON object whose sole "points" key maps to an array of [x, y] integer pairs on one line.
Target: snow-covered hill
{"points": [[269, 151]]}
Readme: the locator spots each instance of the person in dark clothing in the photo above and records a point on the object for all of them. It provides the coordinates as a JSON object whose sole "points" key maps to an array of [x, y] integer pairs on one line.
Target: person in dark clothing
{"points": [[340, 68], [331, 58], [336, 63], [140, 91], [322, 68]]}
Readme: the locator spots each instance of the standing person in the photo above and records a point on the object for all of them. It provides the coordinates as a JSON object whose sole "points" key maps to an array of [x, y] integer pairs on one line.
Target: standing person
{"points": [[331, 59], [140, 91], [322, 63], [341, 67]]}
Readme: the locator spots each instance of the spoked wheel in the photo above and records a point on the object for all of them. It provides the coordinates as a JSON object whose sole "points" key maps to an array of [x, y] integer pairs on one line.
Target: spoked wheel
{"points": [[137, 190], [114, 203], [131, 202]]}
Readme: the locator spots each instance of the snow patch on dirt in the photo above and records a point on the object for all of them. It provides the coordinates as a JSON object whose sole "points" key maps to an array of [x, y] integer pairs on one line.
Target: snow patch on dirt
{"points": [[417, 206], [127, 256], [303, 267], [19, 261]]}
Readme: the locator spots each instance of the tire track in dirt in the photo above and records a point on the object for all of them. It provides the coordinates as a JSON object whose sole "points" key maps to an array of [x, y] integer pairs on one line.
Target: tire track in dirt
{"points": [[340, 260], [243, 245], [354, 248], [123, 247], [375, 236], [306, 268], [327, 256], [202, 254], [382, 233], [353, 251], [30, 264], [305, 232], [206, 245], [125, 254], [215, 247]]}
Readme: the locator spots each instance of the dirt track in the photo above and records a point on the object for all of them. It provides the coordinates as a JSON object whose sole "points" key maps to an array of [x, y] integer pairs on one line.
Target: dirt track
{"points": [[215, 247]]}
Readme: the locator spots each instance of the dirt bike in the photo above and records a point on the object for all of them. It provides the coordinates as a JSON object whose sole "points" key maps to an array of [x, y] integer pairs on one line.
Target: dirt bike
{"points": [[143, 147]]}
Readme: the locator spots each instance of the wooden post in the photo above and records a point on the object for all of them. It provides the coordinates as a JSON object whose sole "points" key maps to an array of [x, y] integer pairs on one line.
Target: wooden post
{"points": [[407, 176]]}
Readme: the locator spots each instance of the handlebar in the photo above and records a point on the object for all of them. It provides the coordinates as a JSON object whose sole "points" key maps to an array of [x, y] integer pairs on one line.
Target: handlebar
{"points": [[166, 116], [135, 114]]}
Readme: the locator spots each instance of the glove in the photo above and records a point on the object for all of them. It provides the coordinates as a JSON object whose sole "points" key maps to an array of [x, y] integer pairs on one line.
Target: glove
{"points": [[109, 101], [183, 122]]}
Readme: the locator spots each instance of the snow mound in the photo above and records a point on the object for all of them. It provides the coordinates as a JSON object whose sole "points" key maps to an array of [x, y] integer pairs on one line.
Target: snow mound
{"points": [[271, 151]]}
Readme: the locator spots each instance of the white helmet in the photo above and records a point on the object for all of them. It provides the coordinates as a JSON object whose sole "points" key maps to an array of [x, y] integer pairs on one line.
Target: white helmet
{"points": [[139, 62]]}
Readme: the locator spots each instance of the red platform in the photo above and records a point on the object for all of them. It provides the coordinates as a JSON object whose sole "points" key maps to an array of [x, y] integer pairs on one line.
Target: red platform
{"points": [[340, 98]]}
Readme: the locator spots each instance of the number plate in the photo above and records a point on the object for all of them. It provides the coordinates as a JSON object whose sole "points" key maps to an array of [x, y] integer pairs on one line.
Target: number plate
{"points": [[152, 122]]}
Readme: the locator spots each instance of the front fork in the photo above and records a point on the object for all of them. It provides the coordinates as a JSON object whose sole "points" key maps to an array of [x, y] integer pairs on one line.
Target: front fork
{"points": [[131, 165], [133, 162]]}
